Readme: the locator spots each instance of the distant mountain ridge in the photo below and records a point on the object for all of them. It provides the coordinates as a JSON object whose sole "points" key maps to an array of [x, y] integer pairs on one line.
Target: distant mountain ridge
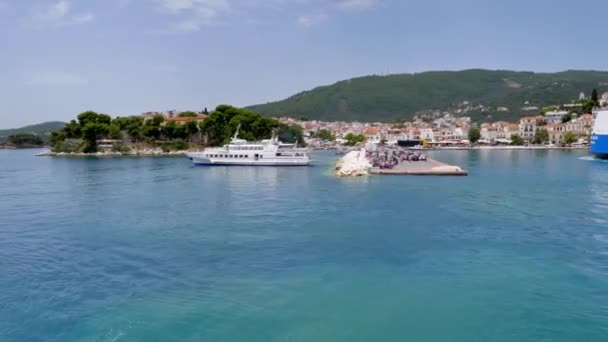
{"points": [[481, 94], [41, 129]]}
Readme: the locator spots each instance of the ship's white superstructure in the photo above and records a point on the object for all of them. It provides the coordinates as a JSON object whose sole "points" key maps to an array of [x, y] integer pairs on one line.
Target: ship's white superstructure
{"points": [[268, 152], [599, 137]]}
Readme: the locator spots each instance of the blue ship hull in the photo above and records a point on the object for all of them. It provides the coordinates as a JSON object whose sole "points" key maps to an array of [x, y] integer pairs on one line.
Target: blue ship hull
{"points": [[599, 145]]}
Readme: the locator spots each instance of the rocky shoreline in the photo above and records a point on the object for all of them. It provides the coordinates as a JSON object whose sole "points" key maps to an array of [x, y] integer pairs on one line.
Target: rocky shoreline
{"points": [[137, 153], [353, 164]]}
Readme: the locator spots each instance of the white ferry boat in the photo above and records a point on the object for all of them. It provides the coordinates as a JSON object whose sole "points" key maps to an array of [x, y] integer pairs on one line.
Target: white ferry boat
{"points": [[269, 152], [599, 137]]}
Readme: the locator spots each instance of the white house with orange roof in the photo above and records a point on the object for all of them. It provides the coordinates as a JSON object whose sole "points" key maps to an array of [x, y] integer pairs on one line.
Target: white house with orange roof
{"points": [[581, 126], [586, 121], [574, 126], [488, 132], [373, 134], [556, 132], [512, 130], [500, 125], [503, 133], [528, 125], [393, 135]]}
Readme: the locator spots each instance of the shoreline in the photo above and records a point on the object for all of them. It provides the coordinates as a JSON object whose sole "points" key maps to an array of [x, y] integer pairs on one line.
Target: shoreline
{"points": [[481, 148], [145, 153], [159, 153], [507, 148]]}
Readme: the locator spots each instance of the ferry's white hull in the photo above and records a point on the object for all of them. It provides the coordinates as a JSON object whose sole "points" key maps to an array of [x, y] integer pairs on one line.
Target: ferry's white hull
{"points": [[599, 138], [239, 152], [197, 159]]}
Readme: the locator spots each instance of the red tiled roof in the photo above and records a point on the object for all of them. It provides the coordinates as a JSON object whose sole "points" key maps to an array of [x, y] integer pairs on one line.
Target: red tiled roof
{"points": [[187, 118], [530, 118], [371, 131]]}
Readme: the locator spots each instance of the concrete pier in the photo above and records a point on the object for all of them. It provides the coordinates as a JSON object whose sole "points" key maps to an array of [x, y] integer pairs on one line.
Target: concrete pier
{"points": [[430, 167]]}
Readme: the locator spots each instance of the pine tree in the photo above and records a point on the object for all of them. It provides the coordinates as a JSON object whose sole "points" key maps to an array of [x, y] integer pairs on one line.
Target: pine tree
{"points": [[594, 98]]}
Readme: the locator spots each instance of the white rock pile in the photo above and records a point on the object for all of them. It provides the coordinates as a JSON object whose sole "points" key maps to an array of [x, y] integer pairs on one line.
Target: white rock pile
{"points": [[353, 164]]}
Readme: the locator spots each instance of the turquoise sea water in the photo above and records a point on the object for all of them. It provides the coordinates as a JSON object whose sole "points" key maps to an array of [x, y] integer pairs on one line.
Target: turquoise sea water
{"points": [[156, 250]]}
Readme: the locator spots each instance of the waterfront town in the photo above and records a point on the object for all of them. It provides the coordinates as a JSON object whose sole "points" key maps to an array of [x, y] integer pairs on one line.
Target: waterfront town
{"points": [[450, 129], [554, 126], [443, 129]]}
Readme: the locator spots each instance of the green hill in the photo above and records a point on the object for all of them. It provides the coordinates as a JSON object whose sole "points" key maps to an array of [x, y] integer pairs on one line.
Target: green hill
{"points": [[42, 129], [476, 93]]}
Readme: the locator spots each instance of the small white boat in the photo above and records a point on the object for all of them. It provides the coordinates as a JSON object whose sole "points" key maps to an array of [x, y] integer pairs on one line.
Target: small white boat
{"points": [[240, 152]]}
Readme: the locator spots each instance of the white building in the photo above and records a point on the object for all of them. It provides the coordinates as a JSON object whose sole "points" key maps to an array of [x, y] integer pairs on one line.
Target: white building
{"points": [[458, 133], [527, 126], [604, 99], [394, 135], [373, 134], [554, 117], [488, 133], [426, 134]]}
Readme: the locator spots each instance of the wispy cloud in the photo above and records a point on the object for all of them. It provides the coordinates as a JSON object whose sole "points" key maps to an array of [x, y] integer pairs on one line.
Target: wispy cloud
{"points": [[310, 20], [195, 14], [59, 13], [328, 9], [83, 18], [123, 3], [55, 78], [355, 5]]}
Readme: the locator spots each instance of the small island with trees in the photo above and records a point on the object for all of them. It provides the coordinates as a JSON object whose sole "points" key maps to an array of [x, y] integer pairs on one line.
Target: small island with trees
{"points": [[23, 140], [99, 134], [31, 136]]}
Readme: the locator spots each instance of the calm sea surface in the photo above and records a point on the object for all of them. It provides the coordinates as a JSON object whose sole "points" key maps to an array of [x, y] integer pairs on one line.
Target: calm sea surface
{"points": [[157, 250]]}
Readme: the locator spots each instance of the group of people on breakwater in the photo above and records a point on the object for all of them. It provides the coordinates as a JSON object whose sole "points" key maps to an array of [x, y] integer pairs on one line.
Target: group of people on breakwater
{"points": [[389, 157]]}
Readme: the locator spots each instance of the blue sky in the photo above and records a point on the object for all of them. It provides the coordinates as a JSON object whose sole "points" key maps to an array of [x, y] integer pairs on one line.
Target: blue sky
{"points": [[123, 57]]}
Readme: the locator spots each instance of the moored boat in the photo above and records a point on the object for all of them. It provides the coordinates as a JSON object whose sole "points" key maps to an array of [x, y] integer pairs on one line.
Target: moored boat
{"points": [[599, 136], [269, 152]]}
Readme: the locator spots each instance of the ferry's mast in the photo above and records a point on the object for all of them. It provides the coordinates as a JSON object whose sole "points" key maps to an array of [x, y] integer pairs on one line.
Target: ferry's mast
{"points": [[236, 134]]}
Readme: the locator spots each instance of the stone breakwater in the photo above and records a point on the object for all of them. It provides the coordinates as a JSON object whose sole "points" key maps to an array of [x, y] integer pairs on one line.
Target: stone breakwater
{"points": [[135, 153], [430, 167], [353, 164], [356, 163]]}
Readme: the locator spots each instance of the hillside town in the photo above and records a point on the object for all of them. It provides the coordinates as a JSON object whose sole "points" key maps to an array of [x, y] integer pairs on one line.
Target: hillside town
{"points": [[441, 130], [452, 130]]}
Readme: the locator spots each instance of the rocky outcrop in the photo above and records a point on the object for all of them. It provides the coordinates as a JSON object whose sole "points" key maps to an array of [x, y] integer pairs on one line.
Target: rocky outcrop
{"points": [[353, 164]]}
